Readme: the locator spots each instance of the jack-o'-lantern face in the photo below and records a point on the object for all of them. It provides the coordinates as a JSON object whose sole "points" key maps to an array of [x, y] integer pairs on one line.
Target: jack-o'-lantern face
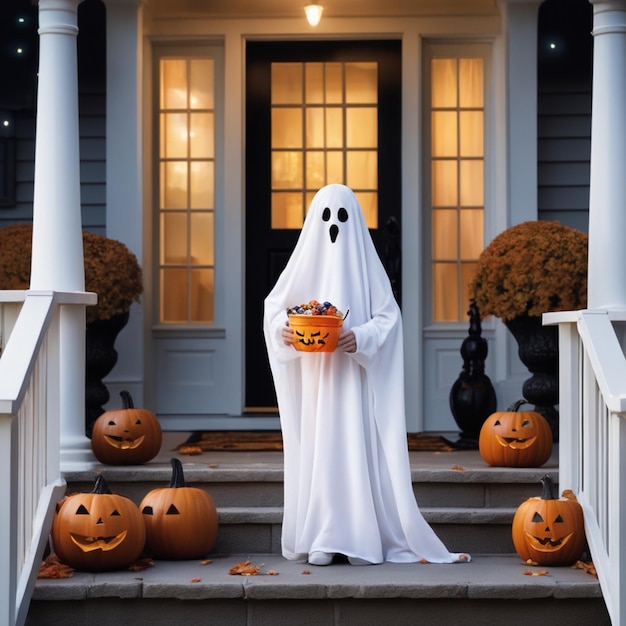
{"points": [[126, 436], [98, 531], [515, 438], [547, 530], [312, 337]]}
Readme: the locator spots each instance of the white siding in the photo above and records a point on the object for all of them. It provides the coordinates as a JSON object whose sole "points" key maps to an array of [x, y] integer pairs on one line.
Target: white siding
{"points": [[564, 146], [92, 165]]}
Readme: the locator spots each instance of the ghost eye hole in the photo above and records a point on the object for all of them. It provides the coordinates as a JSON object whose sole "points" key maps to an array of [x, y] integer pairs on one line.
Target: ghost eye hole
{"points": [[342, 215], [326, 214]]}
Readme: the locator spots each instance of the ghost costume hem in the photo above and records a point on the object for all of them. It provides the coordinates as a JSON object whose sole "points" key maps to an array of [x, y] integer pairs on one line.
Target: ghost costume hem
{"points": [[347, 477]]}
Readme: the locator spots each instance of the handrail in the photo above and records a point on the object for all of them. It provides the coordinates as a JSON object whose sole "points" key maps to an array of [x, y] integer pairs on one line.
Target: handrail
{"points": [[30, 477], [592, 447]]}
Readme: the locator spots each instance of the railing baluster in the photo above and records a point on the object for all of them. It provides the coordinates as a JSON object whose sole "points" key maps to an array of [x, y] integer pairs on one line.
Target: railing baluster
{"points": [[593, 437], [30, 474]]}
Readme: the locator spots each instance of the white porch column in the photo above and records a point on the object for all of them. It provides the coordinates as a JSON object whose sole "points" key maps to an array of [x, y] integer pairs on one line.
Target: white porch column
{"points": [[607, 202], [57, 257]]}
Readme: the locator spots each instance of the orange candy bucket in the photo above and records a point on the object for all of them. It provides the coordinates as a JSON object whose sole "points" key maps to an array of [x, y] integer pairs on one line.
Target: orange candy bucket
{"points": [[315, 333]]}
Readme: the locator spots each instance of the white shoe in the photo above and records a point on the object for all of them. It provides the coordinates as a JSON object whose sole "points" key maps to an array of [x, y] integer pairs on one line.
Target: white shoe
{"points": [[353, 560], [320, 558]]}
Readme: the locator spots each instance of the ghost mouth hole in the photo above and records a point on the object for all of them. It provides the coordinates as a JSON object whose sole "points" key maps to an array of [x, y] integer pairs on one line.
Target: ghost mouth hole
{"points": [[334, 231]]}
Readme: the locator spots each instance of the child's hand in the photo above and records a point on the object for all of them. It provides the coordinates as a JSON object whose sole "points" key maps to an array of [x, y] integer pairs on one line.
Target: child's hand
{"points": [[347, 341], [287, 334]]}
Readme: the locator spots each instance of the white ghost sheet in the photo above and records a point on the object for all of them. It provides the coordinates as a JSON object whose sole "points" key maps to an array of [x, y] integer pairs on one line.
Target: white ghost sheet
{"points": [[347, 477]]}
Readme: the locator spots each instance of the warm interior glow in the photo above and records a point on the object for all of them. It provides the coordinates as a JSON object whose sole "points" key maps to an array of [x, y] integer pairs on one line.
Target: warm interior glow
{"points": [[313, 13], [186, 190], [324, 130], [457, 181]]}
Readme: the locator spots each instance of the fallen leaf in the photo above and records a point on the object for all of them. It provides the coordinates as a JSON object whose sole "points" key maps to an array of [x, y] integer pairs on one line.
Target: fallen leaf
{"points": [[587, 566], [245, 568], [53, 568], [458, 468], [541, 572], [424, 562], [141, 564], [189, 450], [195, 580], [207, 562], [272, 572], [306, 571], [568, 494], [531, 562], [214, 465]]}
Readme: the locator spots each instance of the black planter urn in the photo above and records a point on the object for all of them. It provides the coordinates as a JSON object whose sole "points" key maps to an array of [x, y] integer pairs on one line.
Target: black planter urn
{"points": [[539, 352], [101, 357], [472, 397]]}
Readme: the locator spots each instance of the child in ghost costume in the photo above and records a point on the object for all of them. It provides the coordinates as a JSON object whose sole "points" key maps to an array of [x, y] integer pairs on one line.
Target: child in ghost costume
{"points": [[347, 477]]}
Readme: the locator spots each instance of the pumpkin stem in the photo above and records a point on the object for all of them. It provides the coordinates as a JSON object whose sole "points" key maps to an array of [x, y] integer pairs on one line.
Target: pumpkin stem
{"points": [[178, 478], [548, 488], [517, 404], [127, 399], [101, 486]]}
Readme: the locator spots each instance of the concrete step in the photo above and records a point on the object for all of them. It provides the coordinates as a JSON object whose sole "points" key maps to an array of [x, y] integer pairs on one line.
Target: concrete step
{"points": [[469, 504], [489, 590]]}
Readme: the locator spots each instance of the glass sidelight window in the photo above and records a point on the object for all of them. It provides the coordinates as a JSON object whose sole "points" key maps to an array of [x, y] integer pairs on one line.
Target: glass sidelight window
{"points": [[324, 130], [186, 261], [457, 163]]}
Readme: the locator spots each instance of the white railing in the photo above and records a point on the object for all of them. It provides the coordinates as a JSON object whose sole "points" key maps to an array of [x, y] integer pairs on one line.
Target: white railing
{"points": [[30, 477], [592, 443]]}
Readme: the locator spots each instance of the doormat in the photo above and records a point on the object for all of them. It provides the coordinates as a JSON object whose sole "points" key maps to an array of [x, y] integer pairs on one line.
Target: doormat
{"points": [[251, 441]]}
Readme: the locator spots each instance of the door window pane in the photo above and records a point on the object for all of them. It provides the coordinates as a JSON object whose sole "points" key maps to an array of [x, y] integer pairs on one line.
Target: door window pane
{"points": [[173, 238], [457, 181], [175, 134], [361, 83], [186, 190], [287, 128], [173, 84], [361, 128], [445, 242], [287, 83], [444, 183], [444, 83], [338, 143]]}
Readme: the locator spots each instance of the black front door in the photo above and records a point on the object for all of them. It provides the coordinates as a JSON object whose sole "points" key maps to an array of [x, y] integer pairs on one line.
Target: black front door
{"points": [[268, 242]]}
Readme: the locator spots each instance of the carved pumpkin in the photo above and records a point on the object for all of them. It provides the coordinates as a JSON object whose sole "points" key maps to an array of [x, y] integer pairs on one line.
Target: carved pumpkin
{"points": [[98, 531], [126, 436], [515, 438], [548, 530], [181, 522]]}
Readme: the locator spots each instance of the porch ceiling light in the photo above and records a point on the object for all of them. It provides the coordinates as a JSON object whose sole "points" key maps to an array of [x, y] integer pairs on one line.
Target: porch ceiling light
{"points": [[313, 13]]}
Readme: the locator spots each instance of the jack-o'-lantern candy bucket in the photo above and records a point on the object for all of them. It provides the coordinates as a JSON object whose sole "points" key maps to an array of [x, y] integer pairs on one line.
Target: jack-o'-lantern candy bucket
{"points": [[316, 326], [316, 333]]}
